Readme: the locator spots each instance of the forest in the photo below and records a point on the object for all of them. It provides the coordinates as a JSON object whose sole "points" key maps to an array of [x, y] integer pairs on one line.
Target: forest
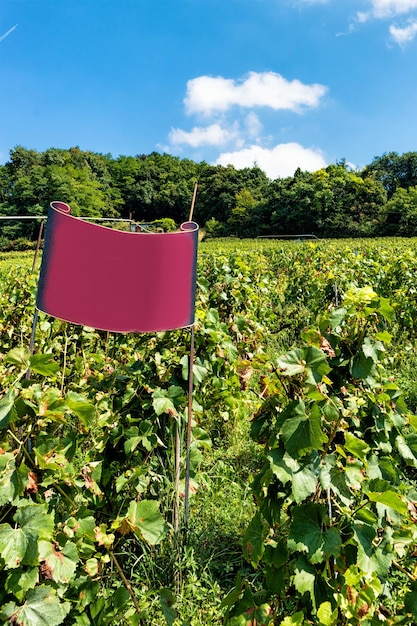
{"points": [[334, 202]]}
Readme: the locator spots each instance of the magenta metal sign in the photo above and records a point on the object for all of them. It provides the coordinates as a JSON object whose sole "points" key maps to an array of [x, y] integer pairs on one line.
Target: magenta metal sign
{"points": [[115, 280]]}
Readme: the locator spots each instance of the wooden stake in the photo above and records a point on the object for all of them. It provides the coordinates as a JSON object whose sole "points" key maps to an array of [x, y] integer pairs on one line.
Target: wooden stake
{"points": [[38, 245], [193, 202]]}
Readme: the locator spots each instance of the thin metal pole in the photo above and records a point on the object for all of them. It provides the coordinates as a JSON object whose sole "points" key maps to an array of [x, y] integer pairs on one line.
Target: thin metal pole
{"points": [[336, 293], [193, 201], [38, 245], [32, 339], [189, 420], [176, 514]]}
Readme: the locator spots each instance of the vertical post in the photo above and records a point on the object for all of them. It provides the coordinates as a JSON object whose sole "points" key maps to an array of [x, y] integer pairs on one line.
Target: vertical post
{"points": [[193, 202], [189, 420], [38, 245], [176, 514], [32, 339], [336, 294]]}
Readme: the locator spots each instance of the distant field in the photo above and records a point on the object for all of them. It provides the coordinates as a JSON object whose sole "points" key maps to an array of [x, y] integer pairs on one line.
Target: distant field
{"points": [[87, 443]]}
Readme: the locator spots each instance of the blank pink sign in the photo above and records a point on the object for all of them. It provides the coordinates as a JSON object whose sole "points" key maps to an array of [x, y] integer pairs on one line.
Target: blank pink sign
{"points": [[114, 280]]}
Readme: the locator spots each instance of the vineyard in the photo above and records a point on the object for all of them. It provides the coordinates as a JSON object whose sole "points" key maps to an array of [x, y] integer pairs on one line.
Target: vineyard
{"points": [[303, 502]]}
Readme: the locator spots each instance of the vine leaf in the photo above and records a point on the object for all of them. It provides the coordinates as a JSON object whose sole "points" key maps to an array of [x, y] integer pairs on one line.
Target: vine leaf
{"points": [[146, 521], [42, 608], [19, 582], [7, 409], [304, 483], [253, 540], [13, 545], [292, 363], [371, 559], [334, 478], [293, 620], [43, 364], [82, 408], [390, 499], [58, 565], [356, 446], [10, 481], [303, 433], [168, 600], [407, 447], [325, 614], [306, 531], [35, 520], [18, 356]]}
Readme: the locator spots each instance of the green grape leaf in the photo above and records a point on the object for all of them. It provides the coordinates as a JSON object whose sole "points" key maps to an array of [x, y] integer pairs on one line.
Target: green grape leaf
{"points": [[410, 601], [9, 478], [302, 434], [407, 447], [162, 403], [334, 478], [292, 363], [389, 498], [305, 578], [35, 520], [18, 356], [325, 614], [168, 600], [386, 309], [355, 446], [43, 364], [361, 366], [293, 620], [371, 559], [82, 408], [13, 545], [7, 409], [304, 483], [306, 531], [253, 540], [58, 565], [332, 542], [316, 364], [42, 608], [282, 465], [146, 521], [19, 582]]}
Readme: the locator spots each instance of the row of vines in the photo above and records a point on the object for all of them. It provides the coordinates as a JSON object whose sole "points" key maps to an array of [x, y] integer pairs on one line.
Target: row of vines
{"points": [[303, 458]]}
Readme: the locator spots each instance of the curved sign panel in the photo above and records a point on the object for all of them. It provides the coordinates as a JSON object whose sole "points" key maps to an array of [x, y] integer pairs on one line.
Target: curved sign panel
{"points": [[115, 280]]}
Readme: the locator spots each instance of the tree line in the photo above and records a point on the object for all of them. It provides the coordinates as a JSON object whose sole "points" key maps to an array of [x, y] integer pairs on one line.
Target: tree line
{"points": [[336, 201]]}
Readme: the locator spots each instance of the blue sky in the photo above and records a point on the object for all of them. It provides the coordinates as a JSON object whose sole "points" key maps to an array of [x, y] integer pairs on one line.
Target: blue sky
{"points": [[277, 83]]}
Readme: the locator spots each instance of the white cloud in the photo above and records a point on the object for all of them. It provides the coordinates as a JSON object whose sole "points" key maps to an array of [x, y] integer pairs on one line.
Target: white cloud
{"points": [[385, 9], [403, 35], [208, 95], [277, 162], [213, 135], [253, 125]]}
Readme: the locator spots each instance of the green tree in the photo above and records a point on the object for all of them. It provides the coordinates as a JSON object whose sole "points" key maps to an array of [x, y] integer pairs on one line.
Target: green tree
{"points": [[292, 204], [219, 187], [400, 213], [348, 205], [155, 186], [393, 171], [240, 220]]}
